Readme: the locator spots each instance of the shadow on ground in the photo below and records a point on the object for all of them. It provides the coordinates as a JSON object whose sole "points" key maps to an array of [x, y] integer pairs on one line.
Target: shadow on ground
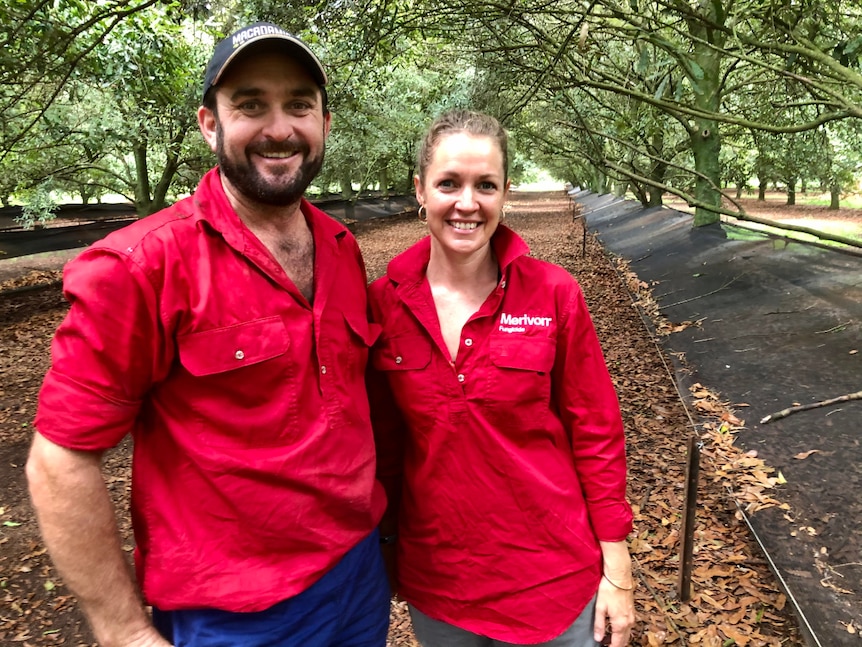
{"points": [[779, 325]]}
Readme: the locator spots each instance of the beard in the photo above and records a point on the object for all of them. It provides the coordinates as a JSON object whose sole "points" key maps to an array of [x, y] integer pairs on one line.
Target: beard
{"points": [[248, 180]]}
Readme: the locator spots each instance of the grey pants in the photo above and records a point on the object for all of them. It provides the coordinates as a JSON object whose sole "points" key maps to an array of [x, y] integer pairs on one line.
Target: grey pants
{"points": [[434, 633]]}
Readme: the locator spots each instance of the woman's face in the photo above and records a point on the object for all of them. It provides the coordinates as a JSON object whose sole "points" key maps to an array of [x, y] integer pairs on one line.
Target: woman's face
{"points": [[463, 192]]}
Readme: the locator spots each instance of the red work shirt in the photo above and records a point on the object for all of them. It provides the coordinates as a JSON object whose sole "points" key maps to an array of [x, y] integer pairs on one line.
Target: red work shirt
{"points": [[253, 468], [513, 454]]}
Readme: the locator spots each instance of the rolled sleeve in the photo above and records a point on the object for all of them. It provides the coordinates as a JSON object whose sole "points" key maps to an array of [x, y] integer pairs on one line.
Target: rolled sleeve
{"points": [[104, 354], [590, 411]]}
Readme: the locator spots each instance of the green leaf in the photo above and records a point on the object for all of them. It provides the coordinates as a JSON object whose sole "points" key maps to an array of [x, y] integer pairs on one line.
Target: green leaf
{"points": [[662, 87], [11, 524], [853, 45], [644, 61]]}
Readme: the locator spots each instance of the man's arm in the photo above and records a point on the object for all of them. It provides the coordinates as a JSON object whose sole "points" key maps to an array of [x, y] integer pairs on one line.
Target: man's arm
{"points": [[79, 528]]}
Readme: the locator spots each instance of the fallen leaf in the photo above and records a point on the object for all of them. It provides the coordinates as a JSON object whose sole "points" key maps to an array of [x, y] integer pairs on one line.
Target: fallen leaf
{"points": [[732, 419], [803, 455]]}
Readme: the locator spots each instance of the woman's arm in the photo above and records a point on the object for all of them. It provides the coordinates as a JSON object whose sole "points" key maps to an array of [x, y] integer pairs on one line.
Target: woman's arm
{"points": [[615, 606]]}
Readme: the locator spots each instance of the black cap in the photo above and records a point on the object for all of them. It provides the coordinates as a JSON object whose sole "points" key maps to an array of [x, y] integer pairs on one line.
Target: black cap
{"points": [[228, 49]]}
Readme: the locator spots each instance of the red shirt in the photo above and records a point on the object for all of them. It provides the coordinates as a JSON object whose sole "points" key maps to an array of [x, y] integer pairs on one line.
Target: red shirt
{"points": [[253, 468], [513, 454]]}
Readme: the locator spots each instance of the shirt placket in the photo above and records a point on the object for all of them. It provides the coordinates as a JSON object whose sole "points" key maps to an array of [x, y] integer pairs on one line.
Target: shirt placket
{"points": [[474, 336], [325, 276]]}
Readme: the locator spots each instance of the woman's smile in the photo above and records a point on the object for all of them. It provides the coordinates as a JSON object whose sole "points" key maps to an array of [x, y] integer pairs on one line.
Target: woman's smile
{"points": [[463, 226]]}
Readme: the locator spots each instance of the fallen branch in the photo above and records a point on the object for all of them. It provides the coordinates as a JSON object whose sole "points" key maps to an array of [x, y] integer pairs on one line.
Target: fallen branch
{"points": [[700, 296], [814, 405]]}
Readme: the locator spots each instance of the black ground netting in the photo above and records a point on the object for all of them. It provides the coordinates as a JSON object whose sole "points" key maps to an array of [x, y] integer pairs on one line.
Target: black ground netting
{"points": [[780, 324], [97, 221]]}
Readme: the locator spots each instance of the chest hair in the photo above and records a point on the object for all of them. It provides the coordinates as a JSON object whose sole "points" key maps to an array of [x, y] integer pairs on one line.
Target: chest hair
{"points": [[296, 257]]}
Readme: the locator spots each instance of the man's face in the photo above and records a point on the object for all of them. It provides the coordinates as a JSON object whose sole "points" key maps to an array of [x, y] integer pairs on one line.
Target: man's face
{"points": [[268, 130]]}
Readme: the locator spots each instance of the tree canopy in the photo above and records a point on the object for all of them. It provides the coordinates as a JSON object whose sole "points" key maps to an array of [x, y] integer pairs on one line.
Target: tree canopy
{"points": [[693, 97]]}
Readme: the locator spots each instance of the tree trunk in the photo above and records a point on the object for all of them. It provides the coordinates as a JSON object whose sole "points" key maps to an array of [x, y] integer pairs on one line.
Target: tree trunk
{"points": [[791, 192], [409, 159], [657, 173], [143, 203], [761, 190], [654, 197], [160, 196], [384, 182], [172, 165], [704, 133], [602, 182], [655, 193], [706, 145], [834, 197], [346, 185]]}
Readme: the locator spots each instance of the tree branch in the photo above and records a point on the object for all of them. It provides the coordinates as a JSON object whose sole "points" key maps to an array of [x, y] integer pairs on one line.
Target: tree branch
{"points": [[813, 405]]}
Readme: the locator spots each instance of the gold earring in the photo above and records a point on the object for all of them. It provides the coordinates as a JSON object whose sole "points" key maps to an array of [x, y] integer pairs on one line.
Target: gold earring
{"points": [[422, 213]]}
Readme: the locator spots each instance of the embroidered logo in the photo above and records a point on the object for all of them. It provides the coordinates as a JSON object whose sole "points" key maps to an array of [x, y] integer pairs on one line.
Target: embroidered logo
{"points": [[511, 323], [254, 32]]}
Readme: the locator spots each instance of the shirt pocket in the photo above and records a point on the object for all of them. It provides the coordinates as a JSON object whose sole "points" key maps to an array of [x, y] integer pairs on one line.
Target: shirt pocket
{"points": [[365, 331], [350, 347], [406, 361], [233, 385], [238, 346], [406, 353], [518, 388]]}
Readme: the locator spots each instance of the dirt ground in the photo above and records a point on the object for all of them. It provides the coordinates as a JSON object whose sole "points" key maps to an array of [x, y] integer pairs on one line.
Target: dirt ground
{"points": [[735, 598]]}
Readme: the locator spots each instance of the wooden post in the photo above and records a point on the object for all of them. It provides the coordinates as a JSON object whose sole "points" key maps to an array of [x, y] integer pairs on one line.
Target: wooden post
{"points": [[689, 521], [577, 214]]}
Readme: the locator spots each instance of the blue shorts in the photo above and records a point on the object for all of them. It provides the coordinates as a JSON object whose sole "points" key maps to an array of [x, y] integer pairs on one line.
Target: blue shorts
{"points": [[347, 607]]}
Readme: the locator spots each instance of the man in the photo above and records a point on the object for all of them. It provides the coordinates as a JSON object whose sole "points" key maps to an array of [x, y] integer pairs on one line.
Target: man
{"points": [[228, 335]]}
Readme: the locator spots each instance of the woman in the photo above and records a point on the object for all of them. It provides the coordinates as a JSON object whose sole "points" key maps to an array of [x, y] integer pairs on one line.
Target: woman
{"points": [[507, 439]]}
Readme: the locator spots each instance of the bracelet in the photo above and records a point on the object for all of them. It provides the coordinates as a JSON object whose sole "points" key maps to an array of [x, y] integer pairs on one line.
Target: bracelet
{"points": [[388, 539], [617, 586]]}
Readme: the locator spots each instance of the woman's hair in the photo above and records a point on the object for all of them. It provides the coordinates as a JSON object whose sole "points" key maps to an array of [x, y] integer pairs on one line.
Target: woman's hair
{"points": [[462, 121]]}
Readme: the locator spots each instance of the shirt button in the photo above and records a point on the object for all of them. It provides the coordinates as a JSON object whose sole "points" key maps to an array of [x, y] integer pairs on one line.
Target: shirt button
{"points": [[461, 377], [503, 283], [239, 354], [398, 360], [468, 342], [323, 370]]}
